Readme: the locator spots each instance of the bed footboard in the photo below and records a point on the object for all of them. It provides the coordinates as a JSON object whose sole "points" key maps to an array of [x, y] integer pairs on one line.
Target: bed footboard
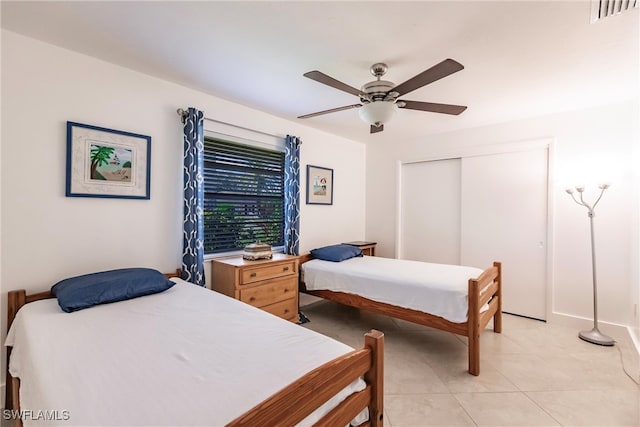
{"points": [[295, 402], [485, 289]]}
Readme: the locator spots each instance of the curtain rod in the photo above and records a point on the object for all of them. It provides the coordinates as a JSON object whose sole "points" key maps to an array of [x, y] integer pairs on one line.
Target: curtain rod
{"points": [[182, 113]]}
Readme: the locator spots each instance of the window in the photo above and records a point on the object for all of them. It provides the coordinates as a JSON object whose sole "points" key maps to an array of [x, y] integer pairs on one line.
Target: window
{"points": [[243, 196]]}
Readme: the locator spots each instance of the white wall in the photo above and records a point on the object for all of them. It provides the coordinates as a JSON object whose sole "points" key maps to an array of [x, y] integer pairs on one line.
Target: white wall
{"points": [[608, 133], [3, 311], [47, 236], [635, 252]]}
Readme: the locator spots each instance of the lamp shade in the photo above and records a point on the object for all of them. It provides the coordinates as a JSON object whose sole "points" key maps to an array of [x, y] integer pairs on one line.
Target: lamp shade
{"points": [[378, 112]]}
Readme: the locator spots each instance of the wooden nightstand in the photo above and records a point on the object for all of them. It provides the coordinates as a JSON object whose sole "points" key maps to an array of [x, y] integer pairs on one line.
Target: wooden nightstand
{"points": [[269, 284], [368, 248]]}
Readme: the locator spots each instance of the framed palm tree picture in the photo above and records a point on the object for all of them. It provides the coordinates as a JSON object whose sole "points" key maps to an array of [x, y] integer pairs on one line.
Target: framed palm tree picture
{"points": [[105, 162]]}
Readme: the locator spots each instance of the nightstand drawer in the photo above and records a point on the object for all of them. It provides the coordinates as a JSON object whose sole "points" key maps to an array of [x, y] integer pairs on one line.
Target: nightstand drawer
{"points": [[267, 271], [270, 292], [268, 284], [287, 309]]}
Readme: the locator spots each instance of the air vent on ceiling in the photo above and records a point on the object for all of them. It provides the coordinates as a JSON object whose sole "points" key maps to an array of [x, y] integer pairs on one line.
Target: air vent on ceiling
{"points": [[601, 9]]}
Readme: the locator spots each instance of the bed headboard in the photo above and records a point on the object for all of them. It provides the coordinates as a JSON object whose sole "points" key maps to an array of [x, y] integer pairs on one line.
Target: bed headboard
{"points": [[16, 299], [304, 258]]}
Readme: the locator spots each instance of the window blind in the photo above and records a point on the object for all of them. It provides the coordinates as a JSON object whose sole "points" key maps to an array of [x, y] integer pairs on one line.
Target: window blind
{"points": [[243, 196]]}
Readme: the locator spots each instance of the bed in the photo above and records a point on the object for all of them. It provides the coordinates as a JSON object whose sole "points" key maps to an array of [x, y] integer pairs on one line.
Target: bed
{"points": [[456, 299], [183, 356]]}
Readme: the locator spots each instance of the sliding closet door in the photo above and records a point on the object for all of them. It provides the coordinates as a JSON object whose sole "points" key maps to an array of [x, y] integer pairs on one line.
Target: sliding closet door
{"points": [[504, 218], [430, 211]]}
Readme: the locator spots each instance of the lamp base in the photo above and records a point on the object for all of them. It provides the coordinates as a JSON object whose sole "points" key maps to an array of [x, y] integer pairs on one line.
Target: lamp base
{"points": [[594, 336]]}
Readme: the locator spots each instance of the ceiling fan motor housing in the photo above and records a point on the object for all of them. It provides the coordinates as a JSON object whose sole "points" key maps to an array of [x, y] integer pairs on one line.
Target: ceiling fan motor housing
{"points": [[377, 90]]}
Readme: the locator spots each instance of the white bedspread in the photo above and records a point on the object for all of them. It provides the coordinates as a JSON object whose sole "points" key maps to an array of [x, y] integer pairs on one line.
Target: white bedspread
{"points": [[187, 356], [438, 289]]}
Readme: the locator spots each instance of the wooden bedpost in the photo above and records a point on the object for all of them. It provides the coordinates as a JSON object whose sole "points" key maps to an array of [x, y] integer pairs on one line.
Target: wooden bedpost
{"points": [[374, 340], [473, 323], [15, 300], [497, 318]]}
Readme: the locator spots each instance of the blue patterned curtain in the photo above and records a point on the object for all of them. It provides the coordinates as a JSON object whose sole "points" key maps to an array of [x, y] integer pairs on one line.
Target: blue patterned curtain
{"points": [[193, 225], [292, 195]]}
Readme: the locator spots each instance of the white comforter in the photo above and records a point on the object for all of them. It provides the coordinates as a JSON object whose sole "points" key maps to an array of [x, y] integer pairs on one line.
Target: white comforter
{"points": [[186, 356], [438, 289]]}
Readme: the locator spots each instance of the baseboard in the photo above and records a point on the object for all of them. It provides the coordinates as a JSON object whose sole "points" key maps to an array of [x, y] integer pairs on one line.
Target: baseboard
{"points": [[615, 330], [626, 341], [635, 341], [635, 337]]}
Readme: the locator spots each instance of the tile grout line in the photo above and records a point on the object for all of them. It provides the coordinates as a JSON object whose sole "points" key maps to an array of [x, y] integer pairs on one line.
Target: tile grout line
{"points": [[543, 410], [464, 409]]}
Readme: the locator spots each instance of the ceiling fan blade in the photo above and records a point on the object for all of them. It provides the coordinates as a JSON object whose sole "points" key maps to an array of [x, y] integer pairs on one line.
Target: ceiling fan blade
{"points": [[333, 110], [376, 129], [443, 69], [434, 108], [330, 81]]}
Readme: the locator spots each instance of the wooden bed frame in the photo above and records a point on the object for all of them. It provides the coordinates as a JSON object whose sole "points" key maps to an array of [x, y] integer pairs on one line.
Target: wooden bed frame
{"points": [[491, 278], [293, 403]]}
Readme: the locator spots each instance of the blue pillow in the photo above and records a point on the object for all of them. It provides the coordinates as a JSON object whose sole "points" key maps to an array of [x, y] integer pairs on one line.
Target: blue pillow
{"points": [[336, 253], [77, 293]]}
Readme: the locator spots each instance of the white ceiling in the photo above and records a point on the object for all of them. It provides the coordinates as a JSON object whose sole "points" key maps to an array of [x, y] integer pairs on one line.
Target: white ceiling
{"points": [[521, 58]]}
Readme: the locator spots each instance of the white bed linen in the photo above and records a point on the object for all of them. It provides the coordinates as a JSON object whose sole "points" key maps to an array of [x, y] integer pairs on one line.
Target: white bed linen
{"points": [[186, 356], [438, 289]]}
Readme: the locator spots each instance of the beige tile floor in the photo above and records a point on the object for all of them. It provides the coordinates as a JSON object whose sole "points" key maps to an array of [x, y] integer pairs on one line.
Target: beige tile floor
{"points": [[533, 374]]}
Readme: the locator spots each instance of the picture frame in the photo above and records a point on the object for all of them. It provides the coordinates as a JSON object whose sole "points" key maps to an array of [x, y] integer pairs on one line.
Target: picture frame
{"points": [[319, 185], [107, 163]]}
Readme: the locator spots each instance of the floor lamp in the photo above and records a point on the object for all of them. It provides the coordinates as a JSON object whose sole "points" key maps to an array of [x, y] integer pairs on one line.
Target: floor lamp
{"points": [[594, 335]]}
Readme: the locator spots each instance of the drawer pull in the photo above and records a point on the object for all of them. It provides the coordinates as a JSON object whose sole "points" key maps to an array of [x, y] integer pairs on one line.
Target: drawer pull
{"points": [[252, 274], [286, 269], [252, 299], [286, 310]]}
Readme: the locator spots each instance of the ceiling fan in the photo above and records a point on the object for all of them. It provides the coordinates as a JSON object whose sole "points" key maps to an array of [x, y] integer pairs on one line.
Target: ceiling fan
{"points": [[379, 98]]}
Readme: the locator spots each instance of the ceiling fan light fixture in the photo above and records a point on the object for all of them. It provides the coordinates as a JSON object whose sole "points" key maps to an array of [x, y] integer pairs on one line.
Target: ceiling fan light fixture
{"points": [[378, 112]]}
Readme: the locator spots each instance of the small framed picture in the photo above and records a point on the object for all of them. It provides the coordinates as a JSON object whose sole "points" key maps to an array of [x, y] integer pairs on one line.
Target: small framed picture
{"points": [[319, 185], [107, 163]]}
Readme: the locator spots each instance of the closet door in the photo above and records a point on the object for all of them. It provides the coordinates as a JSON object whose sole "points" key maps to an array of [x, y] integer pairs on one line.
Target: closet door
{"points": [[504, 218], [430, 211]]}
